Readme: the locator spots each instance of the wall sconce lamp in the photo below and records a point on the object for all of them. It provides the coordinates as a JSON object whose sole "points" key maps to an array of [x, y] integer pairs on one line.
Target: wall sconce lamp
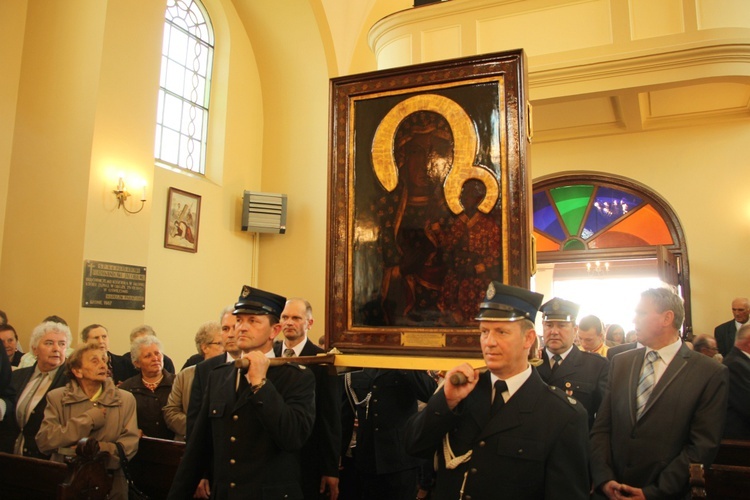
{"points": [[121, 193]]}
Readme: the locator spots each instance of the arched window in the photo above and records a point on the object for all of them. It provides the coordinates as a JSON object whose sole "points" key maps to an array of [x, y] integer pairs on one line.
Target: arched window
{"points": [[588, 223], [184, 86]]}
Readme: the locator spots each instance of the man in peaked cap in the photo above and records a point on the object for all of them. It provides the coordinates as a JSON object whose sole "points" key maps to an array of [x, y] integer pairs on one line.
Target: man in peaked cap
{"points": [[582, 375], [251, 423], [504, 433]]}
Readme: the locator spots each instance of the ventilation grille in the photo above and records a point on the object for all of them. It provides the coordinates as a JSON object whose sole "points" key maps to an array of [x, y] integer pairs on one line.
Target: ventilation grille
{"points": [[264, 212]]}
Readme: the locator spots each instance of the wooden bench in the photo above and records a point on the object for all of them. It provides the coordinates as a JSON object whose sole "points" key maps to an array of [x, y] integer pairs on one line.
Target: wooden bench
{"points": [[728, 478], [154, 466], [83, 477]]}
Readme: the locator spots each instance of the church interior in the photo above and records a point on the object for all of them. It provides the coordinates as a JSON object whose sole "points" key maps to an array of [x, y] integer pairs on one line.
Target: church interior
{"points": [[657, 93]]}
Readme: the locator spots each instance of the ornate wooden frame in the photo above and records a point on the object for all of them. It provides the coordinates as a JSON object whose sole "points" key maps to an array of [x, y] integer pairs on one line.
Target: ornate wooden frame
{"points": [[404, 268]]}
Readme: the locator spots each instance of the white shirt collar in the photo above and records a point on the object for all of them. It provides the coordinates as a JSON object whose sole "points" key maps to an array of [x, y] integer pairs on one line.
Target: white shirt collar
{"points": [[297, 349], [514, 383], [563, 355]]}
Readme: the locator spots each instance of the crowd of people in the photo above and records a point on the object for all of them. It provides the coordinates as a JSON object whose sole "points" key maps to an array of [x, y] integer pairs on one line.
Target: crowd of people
{"points": [[589, 414]]}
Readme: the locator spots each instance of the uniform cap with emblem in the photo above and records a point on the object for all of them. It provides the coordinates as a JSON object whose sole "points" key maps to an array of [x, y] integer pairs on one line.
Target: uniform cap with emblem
{"points": [[256, 301], [508, 303], [559, 309]]}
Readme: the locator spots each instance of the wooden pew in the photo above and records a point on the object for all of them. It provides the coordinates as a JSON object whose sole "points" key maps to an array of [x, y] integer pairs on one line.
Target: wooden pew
{"points": [[728, 478], [154, 466], [83, 477]]}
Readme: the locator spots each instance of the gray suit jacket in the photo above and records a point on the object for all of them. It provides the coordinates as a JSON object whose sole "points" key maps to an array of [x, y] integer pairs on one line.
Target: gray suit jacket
{"points": [[681, 424]]}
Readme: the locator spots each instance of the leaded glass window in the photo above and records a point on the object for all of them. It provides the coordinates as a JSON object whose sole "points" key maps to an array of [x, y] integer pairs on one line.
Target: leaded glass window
{"points": [[184, 86]]}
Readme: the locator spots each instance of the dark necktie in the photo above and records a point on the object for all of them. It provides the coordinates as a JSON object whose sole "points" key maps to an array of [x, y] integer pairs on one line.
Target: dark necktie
{"points": [[557, 359], [498, 402], [288, 353]]}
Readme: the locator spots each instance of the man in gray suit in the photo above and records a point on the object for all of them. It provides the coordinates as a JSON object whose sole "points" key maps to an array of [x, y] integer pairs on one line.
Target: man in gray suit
{"points": [[664, 409]]}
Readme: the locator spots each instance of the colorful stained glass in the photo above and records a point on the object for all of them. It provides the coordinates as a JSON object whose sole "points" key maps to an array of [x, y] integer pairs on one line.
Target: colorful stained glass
{"points": [[614, 218], [544, 244], [609, 206], [545, 217], [642, 227], [571, 203]]}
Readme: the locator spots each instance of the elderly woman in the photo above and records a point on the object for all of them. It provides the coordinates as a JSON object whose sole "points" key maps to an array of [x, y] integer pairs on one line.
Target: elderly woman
{"points": [[208, 343], [90, 406], [151, 387]]}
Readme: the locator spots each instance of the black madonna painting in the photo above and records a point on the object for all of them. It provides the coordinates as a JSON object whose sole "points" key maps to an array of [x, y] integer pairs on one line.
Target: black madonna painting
{"points": [[428, 199]]}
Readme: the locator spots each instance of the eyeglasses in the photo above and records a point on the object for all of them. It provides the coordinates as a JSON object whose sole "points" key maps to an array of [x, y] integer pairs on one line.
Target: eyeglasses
{"points": [[215, 343]]}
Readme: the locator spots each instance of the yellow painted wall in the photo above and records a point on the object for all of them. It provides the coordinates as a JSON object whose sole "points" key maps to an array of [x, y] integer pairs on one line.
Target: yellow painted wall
{"points": [[12, 25], [86, 105]]}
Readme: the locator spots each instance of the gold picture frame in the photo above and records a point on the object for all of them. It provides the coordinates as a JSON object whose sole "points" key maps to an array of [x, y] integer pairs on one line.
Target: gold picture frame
{"points": [[428, 202]]}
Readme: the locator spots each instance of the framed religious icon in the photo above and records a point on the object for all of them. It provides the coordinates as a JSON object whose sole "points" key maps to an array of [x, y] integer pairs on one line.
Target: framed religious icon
{"points": [[429, 202], [183, 218]]}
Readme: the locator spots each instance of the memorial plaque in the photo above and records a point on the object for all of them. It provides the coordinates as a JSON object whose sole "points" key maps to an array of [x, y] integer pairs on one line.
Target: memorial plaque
{"points": [[114, 286]]}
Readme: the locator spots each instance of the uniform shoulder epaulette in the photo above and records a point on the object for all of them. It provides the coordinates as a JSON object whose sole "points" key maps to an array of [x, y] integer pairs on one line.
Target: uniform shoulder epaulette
{"points": [[569, 400]]}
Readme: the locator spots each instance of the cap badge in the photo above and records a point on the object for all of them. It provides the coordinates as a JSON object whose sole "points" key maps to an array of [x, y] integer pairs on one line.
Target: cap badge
{"points": [[490, 291], [555, 306], [245, 292]]}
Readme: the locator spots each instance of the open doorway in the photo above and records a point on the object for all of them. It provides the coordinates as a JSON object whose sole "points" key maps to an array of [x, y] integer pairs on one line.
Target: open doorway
{"points": [[610, 293]]}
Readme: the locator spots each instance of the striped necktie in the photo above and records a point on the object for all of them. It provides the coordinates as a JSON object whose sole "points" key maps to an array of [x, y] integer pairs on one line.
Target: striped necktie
{"points": [[645, 383], [288, 353]]}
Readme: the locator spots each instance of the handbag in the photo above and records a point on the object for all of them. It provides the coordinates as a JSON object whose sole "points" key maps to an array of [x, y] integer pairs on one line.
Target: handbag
{"points": [[133, 492]]}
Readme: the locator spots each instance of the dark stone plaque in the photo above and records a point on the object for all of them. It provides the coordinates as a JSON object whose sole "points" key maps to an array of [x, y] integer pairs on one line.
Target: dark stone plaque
{"points": [[114, 286]]}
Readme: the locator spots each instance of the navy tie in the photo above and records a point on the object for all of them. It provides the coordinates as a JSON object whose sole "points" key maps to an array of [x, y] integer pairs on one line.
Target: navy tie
{"points": [[498, 402]]}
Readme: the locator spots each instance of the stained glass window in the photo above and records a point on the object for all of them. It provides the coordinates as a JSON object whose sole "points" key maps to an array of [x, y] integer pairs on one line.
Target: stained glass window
{"points": [[184, 86], [595, 216]]}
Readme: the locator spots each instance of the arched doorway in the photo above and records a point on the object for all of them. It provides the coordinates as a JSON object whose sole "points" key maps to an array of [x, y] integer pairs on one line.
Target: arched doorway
{"points": [[610, 233]]}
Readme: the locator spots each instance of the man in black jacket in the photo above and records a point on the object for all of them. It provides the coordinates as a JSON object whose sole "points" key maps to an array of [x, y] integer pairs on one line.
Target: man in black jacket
{"points": [[738, 411], [251, 424], [504, 433], [319, 457], [725, 333], [582, 375]]}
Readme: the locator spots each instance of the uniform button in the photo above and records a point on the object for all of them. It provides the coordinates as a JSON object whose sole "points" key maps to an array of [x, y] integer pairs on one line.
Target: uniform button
{"points": [[374, 400], [231, 461], [214, 412], [374, 386], [473, 471], [235, 418], [467, 497], [520, 451], [232, 485], [376, 429], [376, 414], [232, 439], [481, 444]]}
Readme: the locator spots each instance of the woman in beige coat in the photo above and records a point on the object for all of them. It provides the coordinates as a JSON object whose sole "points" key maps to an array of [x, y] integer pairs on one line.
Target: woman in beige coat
{"points": [[90, 406]]}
